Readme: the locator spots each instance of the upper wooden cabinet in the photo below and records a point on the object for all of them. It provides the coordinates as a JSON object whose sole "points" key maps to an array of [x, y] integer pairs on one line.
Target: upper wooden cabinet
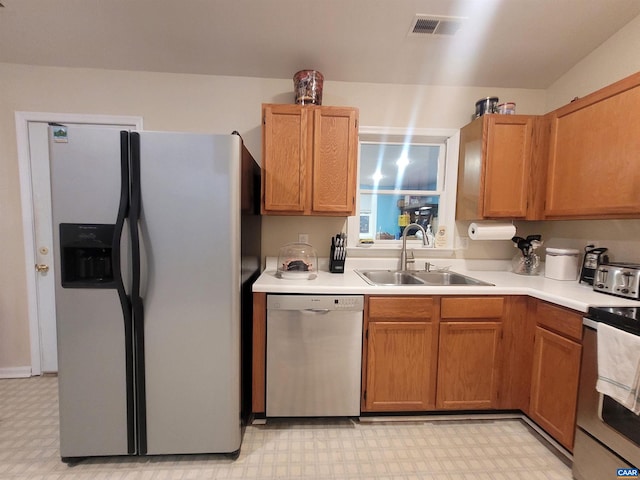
{"points": [[593, 155], [309, 160], [499, 174]]}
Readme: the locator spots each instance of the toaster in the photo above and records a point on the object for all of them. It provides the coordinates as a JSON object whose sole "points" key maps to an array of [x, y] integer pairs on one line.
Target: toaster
{"points": [[620, 279]]}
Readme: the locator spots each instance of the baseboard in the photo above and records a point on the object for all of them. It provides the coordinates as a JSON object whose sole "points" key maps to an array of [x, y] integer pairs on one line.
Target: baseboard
{"points": [[15, 372], [564, 454]]}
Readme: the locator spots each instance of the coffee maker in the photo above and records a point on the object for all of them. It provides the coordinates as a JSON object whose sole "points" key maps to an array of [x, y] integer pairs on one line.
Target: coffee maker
{"points": [[592, 258]]}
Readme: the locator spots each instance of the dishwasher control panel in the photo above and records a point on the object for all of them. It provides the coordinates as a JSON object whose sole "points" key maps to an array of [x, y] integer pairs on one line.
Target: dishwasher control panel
{"points": [[319, 302]]}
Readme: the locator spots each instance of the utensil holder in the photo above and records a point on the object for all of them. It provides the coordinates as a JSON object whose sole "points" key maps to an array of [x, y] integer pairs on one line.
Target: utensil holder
{"points": [[526, 264]]}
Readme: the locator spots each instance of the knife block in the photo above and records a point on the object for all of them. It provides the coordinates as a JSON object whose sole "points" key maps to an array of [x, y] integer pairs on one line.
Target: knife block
{"points": [[335, 266]]}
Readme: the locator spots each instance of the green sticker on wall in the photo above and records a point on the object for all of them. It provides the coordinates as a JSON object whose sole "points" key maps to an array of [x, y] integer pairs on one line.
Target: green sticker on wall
{"points": [[60, 134]]}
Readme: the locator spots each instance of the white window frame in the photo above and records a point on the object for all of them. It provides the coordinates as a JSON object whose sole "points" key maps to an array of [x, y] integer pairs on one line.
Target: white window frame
{"points": [[447, 206]]}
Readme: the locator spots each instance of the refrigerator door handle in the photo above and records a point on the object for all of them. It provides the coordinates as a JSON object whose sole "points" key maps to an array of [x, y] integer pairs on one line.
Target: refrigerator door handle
{"points": [[136, 300], [125, 303]]}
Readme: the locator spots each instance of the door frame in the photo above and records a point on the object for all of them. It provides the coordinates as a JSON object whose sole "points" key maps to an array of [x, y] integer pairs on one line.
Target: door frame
{"points": [[22, 120]]}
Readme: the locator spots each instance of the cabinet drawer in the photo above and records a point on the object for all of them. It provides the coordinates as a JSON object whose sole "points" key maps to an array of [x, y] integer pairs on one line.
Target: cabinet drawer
{"points": [[472, 307], [401, 307], [560, 320]]}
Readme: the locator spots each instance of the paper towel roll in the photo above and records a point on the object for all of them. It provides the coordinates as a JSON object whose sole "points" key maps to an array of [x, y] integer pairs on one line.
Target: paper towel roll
{"points": [[491, 231]]}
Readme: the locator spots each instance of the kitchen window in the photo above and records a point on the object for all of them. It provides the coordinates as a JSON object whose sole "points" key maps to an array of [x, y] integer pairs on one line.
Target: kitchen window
{"points": [[405, 177]]}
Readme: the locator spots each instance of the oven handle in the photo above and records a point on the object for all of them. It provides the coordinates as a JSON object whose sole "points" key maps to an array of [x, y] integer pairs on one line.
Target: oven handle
{"points": [[593, 325]]}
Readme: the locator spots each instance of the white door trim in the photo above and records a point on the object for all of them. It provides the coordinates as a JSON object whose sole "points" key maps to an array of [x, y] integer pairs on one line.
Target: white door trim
{"points": [[26, 200]]}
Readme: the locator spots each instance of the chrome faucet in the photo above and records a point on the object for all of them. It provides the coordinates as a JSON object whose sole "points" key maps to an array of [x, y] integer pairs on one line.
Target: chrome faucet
{"points": [[403, 253]]}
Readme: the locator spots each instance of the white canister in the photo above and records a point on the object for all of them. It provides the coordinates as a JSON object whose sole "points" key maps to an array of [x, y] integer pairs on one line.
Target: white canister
{"points": [[562, 263]]}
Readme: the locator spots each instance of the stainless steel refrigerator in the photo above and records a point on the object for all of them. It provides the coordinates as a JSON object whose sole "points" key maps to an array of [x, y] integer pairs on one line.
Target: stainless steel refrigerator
{"points": [[156, 238]]}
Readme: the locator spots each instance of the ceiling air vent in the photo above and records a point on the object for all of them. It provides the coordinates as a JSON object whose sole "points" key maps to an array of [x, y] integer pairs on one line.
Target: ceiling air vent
{"points": [[434, 25]]}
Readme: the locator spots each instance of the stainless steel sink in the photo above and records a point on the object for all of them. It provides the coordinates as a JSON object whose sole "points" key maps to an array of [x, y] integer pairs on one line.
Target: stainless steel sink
{"points": [[389, 277], [447, 278], [417, 277]]}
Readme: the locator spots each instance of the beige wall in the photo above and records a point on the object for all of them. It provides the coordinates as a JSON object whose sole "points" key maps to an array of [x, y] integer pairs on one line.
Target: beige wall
{"points": [[192, 103], [615, 59], [222, 104]]}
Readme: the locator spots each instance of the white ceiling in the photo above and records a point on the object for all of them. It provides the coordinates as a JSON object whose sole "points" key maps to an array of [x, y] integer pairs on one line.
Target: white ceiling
{"points": [[502, 43]]}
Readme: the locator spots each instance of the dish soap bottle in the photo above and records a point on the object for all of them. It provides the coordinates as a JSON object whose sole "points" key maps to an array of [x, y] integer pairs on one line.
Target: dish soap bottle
{"points": [[441, 237], [431, 239]]}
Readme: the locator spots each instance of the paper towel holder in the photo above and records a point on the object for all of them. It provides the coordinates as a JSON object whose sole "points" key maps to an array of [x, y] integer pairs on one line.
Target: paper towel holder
{"points": [[491, 230]]}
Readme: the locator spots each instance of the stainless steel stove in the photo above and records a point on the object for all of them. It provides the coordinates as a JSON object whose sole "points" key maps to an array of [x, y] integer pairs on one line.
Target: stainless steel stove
{"points": [[607, 442], [624, 318]]}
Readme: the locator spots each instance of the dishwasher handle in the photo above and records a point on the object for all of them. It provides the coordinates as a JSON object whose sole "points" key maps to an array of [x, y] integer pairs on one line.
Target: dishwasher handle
{"points": [[317, 310]]}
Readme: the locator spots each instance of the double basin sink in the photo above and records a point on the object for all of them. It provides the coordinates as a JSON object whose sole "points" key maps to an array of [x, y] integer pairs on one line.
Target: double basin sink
{"points": [[418, 277]]}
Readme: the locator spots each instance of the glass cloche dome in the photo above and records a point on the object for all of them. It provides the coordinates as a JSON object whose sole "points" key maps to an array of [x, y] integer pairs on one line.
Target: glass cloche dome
{"points": [[297, 261]]}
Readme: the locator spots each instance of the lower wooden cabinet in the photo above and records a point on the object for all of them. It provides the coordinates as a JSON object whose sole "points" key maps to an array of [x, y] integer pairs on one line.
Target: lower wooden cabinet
{"points": [[426, 353], [516, 343], [259, 354], [554, 385], [399, 367], [556, 370], [469, 354], [468, 360]]}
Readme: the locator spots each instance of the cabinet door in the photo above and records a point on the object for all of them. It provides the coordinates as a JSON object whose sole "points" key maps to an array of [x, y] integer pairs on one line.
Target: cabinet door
{"points": [[507, 165], [468, 366], [400, 366], [335, 137], [516, 345], [594, 151], [554, 385], [495, 172], [468, 198], [285, 158]]}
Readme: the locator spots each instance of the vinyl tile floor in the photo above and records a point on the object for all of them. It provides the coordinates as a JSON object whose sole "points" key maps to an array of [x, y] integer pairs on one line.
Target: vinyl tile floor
{"points": [[284, 449]]}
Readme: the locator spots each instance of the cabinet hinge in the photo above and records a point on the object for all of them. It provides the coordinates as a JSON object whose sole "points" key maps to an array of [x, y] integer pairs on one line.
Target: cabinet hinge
{"points": [[264, 119], [366, 334], [356, 123], [365, 395]]}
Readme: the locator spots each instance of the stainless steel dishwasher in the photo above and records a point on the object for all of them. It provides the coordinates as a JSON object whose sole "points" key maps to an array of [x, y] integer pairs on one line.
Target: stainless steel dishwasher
{"points": [[314, 355]]}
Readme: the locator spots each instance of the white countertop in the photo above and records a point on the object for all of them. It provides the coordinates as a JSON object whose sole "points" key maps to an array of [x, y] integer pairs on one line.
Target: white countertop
{"points": [[570, 294]]}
